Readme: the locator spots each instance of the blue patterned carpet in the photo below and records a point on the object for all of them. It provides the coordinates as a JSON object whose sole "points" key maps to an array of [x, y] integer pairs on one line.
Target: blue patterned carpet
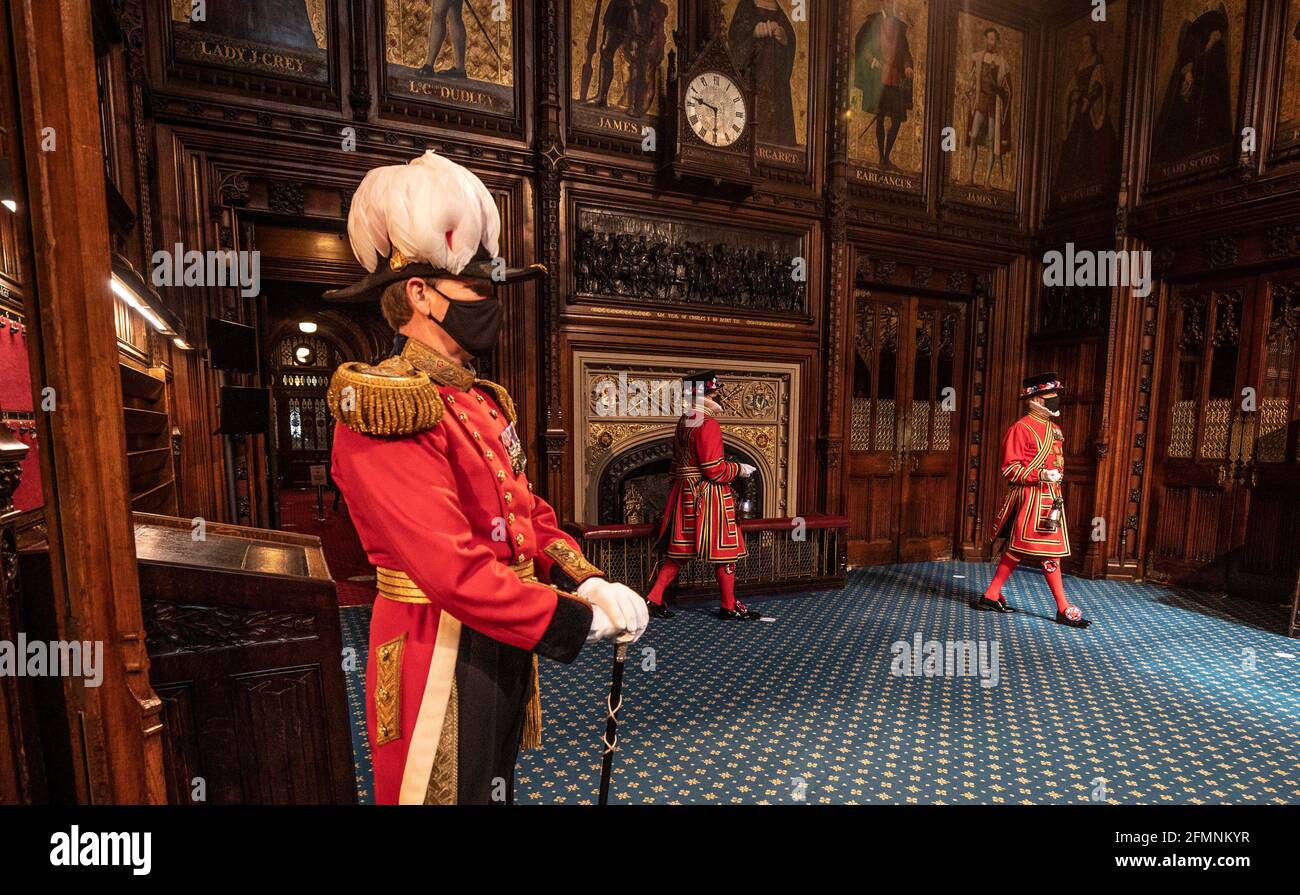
{"points": [[1168, 698]]}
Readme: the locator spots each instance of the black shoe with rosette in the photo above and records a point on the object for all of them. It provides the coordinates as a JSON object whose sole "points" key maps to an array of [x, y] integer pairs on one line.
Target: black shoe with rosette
{"points": [[1073, 617], [740, 613], [658, 610]]}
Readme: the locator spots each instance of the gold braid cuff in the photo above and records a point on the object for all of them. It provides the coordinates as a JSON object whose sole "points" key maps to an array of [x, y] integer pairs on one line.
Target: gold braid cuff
{"points": [[391, 398], [573, 563]]}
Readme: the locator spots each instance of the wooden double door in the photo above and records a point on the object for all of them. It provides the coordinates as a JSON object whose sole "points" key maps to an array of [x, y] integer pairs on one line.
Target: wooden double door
{"points": [[1228, 479], [905, 427]]}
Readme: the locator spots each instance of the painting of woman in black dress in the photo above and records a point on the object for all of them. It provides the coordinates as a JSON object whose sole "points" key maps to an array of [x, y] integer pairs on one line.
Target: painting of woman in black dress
{"points": [[281, 23], [1090, 152], [1196, 112], [284, 38], [764, 44]]}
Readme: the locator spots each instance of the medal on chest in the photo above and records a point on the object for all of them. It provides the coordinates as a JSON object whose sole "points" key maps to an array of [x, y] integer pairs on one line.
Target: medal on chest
{"points": [[514, 448]]}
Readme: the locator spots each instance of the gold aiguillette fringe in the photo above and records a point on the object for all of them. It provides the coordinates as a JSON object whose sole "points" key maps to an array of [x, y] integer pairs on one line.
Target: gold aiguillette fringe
{"points": [[391, 398]]}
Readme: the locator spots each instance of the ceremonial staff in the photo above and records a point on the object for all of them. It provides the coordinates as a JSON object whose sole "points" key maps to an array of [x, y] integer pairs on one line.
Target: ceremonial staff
{"points": [[614, 703]]}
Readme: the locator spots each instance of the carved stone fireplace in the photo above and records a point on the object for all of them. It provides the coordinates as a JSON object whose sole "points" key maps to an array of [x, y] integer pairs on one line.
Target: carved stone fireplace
{"points": [[627, 407], [633, 486]]}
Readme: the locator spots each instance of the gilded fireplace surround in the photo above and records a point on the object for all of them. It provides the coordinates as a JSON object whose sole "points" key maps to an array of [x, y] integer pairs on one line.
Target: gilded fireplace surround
{"points": [[759, 404]]}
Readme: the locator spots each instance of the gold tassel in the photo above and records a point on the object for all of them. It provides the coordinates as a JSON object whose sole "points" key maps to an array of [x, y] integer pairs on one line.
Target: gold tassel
{"points": [[532, 735]]}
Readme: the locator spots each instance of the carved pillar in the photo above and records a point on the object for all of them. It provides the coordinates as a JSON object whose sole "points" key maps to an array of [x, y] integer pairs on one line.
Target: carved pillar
{"points": [[131, 18], [837, 304], [550, 165], [117, 728], [359, 49], [973, 542]]}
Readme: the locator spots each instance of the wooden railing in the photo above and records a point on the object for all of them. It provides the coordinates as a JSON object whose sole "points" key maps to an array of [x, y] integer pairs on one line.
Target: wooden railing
{"points": [[800, 553]]}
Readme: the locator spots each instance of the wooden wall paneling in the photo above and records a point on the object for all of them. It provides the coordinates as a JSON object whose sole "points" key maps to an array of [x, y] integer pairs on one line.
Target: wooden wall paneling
{"points": [[182, 190], [1009, 320], [117, 726], [979, 277]]}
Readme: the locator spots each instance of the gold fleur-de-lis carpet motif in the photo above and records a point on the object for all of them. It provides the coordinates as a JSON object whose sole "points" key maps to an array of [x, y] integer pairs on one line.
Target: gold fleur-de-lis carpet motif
{"points": [[1170, 697]]}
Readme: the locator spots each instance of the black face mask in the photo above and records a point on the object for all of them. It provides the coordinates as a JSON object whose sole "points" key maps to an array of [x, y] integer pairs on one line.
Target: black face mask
{"points": [[475, 325], [1053, 404]]}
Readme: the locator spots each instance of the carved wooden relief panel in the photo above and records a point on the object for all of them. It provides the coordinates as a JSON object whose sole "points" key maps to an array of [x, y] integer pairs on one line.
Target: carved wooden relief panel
{"points": [[682, 262], [890, 68]]}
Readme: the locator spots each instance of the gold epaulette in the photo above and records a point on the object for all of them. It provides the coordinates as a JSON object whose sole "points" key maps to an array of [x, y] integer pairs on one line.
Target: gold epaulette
{"points": [[503, 397], [390, 398]]}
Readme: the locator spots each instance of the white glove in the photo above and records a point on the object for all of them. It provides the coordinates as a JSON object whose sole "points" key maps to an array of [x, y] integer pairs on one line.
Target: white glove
{"points": [[746, 470], [1050, 475], [616, 610]]}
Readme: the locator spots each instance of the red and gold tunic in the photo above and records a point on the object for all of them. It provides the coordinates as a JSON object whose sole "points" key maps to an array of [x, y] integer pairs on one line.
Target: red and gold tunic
{"points": [[1031, 445], [427, 458], [700, 514]]}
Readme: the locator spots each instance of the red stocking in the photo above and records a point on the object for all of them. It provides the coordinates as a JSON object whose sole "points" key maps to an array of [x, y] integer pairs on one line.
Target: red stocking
{"points": [[1052, 569], [667, 572], [1005, 568], [726, 575]]}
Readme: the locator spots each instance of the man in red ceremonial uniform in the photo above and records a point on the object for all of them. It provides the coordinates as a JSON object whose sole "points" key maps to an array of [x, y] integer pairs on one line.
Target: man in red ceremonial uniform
{"points": [[475, 577], [1032, 518], [700, 515]]}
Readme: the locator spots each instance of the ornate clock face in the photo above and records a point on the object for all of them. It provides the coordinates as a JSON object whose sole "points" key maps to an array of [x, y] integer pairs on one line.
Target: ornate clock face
{"points": [[715, 109]]}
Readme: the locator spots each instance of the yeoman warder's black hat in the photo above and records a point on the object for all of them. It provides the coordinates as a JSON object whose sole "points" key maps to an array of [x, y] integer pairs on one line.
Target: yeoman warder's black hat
{"points": [[1041, 384], [706, 379]]}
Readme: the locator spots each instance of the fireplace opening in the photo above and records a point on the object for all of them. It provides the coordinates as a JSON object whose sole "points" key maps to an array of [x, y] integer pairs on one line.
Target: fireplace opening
{"points": [[634, 486]]}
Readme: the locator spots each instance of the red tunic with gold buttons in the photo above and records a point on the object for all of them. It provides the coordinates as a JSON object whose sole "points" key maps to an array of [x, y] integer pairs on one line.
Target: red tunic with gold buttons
{"points": [[1031, 445], [700, 513], [472, 570]]}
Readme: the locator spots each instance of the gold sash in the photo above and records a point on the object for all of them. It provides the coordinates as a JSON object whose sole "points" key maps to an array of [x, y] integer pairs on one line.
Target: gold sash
{"points": [[394, 584]]}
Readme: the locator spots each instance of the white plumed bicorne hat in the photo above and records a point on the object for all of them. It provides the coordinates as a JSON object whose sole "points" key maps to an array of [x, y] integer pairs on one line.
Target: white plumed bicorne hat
{"points": [[428, 218]]}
